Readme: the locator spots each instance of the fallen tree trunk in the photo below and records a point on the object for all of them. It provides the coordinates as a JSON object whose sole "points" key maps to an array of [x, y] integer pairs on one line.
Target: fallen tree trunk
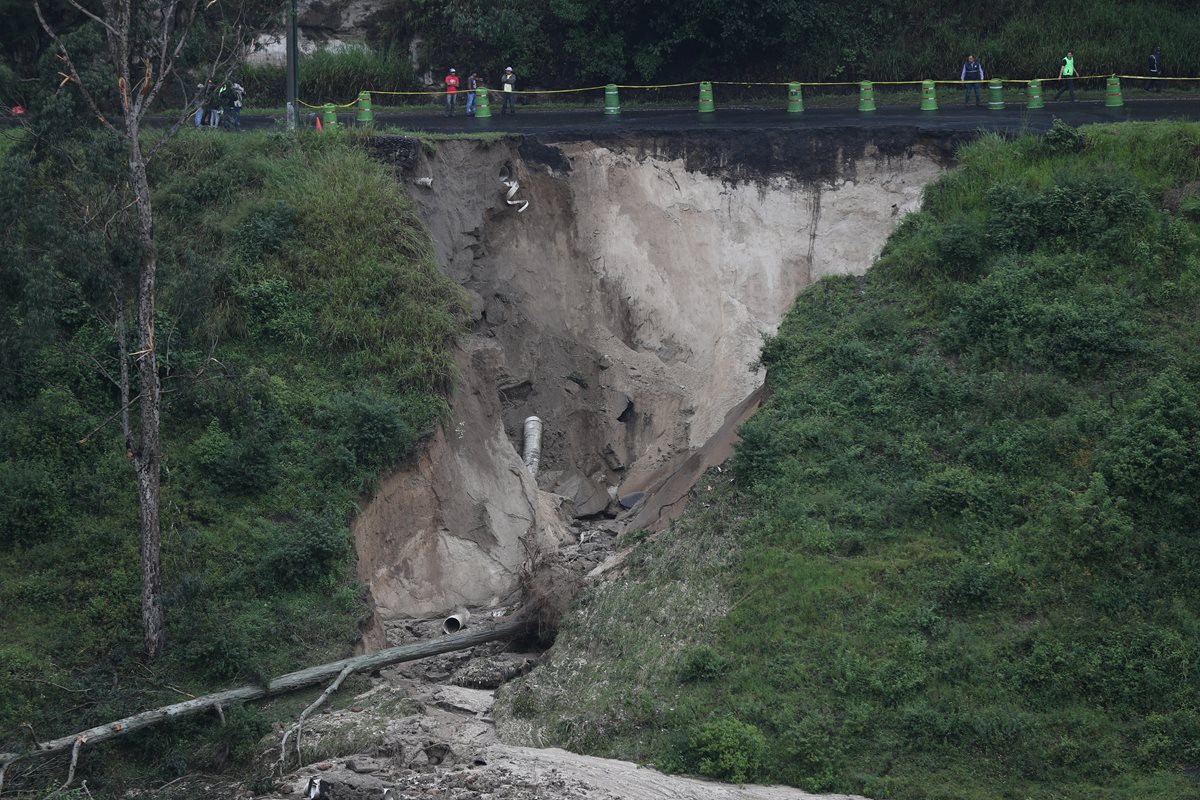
{"points": [[283, 684]]}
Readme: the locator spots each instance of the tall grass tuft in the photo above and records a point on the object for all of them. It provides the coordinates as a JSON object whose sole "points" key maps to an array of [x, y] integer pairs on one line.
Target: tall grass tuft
{"points": [[332, 76]]}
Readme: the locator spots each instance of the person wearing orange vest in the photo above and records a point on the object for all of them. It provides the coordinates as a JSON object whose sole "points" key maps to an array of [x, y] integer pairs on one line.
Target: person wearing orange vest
{"points": [[451, 82], [1066, 74]]}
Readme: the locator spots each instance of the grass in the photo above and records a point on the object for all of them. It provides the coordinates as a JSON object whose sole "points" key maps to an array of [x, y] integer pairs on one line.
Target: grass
{"points": [[955, 558], [306, 334]]}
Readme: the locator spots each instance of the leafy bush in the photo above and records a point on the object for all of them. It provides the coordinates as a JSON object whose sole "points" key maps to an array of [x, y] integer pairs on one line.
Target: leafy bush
{"points": [[307, 551], [727, 750], [704, 664], [31, 505], [374, 428], [263, 232], [1063, 139]]}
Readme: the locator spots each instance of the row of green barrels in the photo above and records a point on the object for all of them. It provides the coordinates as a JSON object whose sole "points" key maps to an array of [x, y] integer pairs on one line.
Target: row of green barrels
{"points": [[795, 99]]}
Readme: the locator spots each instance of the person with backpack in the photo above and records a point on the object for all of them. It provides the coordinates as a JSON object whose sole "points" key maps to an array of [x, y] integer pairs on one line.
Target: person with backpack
{"points": [[451, 81], [233, 95], [472, 85], [972, 72], [1066, 76], [1151, 84], [509, 84]]}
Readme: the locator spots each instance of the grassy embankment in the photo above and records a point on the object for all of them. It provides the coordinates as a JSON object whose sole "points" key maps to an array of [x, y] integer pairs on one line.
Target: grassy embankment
{"points": [[957, 554], [305, 338]]}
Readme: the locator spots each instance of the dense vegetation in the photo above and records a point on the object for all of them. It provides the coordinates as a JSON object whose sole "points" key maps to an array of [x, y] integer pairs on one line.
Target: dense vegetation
{"points": [[562, 43], [957, 557], [305, 338]]}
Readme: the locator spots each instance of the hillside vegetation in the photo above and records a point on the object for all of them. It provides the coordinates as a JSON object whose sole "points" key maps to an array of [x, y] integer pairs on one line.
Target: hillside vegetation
{"points": [[573, 43], [305, 337], [560, 43], [956, 556]]}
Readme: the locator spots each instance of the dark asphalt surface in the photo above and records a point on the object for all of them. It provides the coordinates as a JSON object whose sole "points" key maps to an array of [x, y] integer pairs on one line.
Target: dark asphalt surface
{"points": [[951, 117]]}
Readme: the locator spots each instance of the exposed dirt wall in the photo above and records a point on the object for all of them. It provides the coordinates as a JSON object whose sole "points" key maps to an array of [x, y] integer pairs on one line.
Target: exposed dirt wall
{"points": [[625, 307]]}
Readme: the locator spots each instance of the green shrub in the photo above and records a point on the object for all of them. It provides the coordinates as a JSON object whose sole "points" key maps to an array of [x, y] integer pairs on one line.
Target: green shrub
{"points": [[32, 507], [245, 465], [306, 551], [263, 232], [727, 750], [1063, 139], [703, 664], [374, 428]]}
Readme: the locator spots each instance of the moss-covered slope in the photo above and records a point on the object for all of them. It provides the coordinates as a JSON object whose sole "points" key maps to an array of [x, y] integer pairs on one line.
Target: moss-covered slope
{"points": [[957, 553], [304, 334]]}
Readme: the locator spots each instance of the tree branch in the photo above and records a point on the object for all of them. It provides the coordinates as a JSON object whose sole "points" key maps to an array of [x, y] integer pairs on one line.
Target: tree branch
{"points": [[293, 681], [92, 16], [62, 49], [70, 772], [298, 727]]}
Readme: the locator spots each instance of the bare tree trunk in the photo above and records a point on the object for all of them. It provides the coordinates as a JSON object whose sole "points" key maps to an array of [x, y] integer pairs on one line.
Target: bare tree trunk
{"points": [[292, 681], [148, 456]]}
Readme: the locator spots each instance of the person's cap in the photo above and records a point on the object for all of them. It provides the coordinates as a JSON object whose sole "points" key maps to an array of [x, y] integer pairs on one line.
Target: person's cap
{"points": [[452, 69], [508, 69]]}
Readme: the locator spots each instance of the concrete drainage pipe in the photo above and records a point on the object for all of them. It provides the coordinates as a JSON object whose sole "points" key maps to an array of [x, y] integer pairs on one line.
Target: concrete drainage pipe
{"points": [[456, 621], [533, 444]]}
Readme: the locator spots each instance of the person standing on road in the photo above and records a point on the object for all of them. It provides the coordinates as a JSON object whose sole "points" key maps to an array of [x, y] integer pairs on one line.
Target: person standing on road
{"points": [[509, 83], [1150, 84], [198, 119], [972, 70], [1066, 76], [472, 85], [234, 96], [451, 81]]}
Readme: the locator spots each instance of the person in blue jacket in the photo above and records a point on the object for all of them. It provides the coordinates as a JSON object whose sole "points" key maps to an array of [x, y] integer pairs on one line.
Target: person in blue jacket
{"points": [[972, 70]]}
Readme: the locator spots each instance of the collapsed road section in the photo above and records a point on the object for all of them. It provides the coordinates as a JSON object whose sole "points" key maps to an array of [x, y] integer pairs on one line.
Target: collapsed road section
{"points": [[622, 287]]}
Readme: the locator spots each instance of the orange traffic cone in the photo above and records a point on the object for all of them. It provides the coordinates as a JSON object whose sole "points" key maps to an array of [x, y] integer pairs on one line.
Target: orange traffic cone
{"points": [[319, 128]]}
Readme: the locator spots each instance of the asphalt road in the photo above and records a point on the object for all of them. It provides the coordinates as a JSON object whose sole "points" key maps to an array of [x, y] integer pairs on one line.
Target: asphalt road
{"points": [[950, 117]]}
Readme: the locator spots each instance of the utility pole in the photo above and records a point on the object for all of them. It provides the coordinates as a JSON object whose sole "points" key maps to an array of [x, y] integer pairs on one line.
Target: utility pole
{"points": [[293, 66]]}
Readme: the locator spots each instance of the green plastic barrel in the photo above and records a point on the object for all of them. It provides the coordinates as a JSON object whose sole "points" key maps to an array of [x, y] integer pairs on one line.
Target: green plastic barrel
{"points": [[928, 96], [612, 100], [329, 115], [1112, 96], [482, 109], [706, 97], [795, 103], [995, 95], [1033, 95], [364, 116], [866, 96]]}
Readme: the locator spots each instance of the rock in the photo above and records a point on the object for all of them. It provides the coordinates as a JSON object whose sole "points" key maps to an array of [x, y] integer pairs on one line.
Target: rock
{"points": [[469, 701], [494, 311], [439, 753], [631, 500], [341, 784], [453, 527], [614, 461], [489, 673], [363, 766], [588, 497]]}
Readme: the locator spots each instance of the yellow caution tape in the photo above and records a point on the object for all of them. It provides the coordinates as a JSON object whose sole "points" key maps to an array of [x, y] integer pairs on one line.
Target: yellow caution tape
{"points": [[443, 93]]}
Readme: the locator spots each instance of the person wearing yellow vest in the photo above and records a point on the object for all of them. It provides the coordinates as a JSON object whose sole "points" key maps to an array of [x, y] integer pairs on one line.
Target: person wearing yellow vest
{"points": [[1066, 76]]}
